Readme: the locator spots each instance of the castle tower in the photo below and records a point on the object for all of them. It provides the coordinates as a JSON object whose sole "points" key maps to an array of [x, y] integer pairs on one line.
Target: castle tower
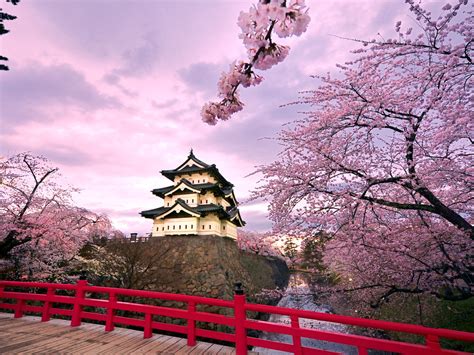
{"points": [[200, 202]]}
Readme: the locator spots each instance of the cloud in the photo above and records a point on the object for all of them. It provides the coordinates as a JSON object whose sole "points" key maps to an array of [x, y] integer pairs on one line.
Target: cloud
{"points": [[163, 105], [138, 61], [202, 77], [37, 91]]}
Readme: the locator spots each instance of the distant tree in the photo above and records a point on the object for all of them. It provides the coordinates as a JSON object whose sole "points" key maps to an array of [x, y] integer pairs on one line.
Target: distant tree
{"points": [[291, 249], [312, 251], [40, 228], [384, 162], [121, 263], [257, 243], [3, 30]]}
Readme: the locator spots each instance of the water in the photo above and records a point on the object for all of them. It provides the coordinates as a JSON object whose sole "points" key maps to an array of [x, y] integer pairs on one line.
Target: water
{"points": [[298, 296]]}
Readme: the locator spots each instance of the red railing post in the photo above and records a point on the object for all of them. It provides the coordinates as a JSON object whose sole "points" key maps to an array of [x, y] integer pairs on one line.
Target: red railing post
{"points": [[295, 324], [45, 316], [109, 322], [191, 324], [19, 308], [79, 297], [148, 332], [432, 342], [240, 318]]}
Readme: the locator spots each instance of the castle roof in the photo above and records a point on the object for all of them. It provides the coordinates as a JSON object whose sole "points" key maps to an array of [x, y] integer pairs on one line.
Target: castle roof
{"points": [[194, 165], [185, 186], [181, 207]]}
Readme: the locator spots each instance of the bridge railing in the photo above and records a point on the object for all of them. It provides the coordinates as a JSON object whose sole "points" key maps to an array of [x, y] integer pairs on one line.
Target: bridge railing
{"points": [[46, 301]]}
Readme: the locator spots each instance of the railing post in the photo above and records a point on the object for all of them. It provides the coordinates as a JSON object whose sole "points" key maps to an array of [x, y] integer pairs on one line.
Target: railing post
{"points": [[432, 342], [109, 322], [45, 316], [295, 324], [79, 297], [148, 332], [240, 318], [191, 324], [19, 308]]}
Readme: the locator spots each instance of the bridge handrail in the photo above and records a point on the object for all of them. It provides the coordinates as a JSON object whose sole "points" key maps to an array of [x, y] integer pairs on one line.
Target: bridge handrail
{"points": [[239, 320], [362, 322]]}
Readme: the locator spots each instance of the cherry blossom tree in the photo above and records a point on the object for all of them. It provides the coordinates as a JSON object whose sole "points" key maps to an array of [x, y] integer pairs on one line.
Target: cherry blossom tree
{"points": [[282, 17], [257, 243], [40, 228], [383, 161]]}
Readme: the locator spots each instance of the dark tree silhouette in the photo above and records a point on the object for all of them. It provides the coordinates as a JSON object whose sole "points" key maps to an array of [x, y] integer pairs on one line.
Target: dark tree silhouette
{"points": [[3, 30]]}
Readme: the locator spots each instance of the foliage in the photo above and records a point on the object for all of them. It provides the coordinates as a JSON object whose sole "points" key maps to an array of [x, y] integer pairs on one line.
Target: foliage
{"points": [[312, 251], [383, 161], [291, 249], [285, 18], [121, 263], [3, 30], [40, 228], [257, 243]]}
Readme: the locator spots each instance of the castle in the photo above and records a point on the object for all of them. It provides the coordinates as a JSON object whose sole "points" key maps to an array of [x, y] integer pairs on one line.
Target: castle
{"points": [[200, 202]]}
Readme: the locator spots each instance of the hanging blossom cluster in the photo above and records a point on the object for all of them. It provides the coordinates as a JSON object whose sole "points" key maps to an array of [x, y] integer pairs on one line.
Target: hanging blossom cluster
{"points": [[269, 16]]}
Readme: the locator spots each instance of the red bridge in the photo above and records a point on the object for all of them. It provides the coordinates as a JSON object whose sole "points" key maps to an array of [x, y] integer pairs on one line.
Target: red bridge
{"points": [[115, 306]]}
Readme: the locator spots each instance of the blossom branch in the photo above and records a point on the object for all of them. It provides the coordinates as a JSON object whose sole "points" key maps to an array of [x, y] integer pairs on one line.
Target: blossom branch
{"points": [[257, 25]]}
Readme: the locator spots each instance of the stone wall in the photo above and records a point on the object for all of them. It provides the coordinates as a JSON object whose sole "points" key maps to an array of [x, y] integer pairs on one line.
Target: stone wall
{"points": [[209, 266]]}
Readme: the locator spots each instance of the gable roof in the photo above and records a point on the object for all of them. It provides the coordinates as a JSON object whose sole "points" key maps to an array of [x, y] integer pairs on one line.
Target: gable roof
{"points": [[192, 161], [224, 191], [183, 185], [231, 214], [194, 165], [178, 207]]}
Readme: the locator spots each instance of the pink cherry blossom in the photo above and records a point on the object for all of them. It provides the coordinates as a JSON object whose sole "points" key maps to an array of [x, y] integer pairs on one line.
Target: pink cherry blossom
{"points": [[383, 162], [40, 228], [257, 26]]}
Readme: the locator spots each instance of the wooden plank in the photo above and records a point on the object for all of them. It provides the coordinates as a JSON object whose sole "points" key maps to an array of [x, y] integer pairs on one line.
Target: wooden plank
{"points": [[29, 335], [200, 348], [100, 340], [175, 347], [150, 347], [214, 348], [117, 338]]}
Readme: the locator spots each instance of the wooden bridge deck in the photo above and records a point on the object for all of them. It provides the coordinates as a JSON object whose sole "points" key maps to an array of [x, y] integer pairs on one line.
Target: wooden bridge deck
{"points": [[29, 335]]}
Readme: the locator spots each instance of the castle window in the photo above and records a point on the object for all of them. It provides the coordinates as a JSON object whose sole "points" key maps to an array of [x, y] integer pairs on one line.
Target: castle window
{"points": [[192, 201], [199, 181], [174, 227], [191, 226], [157, 229], [168, 227], [168, 204], [163, 228], [185, 226], [180, 226], [186, 201], [207, 201], [203, 227], [223, 227], [209, 226]]}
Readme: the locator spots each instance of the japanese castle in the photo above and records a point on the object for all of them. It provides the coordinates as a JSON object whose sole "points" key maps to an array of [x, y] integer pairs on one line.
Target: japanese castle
{"points": [[200, 202]]}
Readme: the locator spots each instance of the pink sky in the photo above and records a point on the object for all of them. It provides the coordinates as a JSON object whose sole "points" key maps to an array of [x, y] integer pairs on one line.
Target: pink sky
{"points": [[111, 91]]}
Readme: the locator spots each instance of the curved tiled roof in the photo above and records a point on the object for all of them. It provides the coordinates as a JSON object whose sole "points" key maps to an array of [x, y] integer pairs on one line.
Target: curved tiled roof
{"points": [[224, 191], [202, 210]]}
